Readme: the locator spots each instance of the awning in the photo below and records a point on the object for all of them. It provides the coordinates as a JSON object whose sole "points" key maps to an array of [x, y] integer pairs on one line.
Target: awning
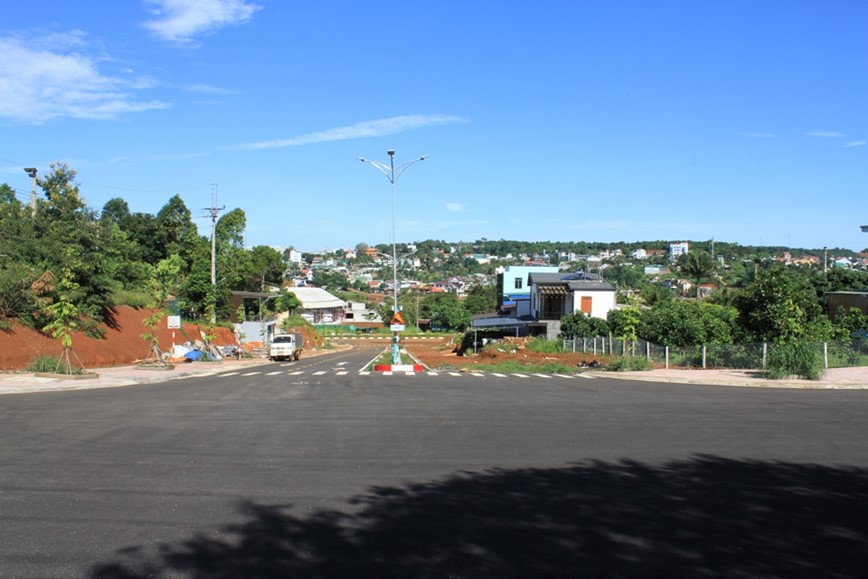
{"points": [[553, 290]]}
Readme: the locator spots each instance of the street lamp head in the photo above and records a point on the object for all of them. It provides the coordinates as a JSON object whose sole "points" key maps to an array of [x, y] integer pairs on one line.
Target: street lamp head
{"points": [[391, 152], [30, 171], [864, 228], [362, 159], [423, 157]]}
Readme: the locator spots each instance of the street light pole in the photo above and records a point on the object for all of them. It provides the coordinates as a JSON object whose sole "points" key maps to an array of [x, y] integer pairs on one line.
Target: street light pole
{"points": [[32, 172], [392, 173]]}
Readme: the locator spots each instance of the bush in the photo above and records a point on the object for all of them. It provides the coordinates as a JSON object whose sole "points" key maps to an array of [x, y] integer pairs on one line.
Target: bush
{"points": [[43, 364], [132, 298], [794, 358], [628, 364], [50, 365]]}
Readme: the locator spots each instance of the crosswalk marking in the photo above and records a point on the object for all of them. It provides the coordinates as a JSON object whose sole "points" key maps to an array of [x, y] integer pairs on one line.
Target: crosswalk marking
{"points": [[343, 371]]}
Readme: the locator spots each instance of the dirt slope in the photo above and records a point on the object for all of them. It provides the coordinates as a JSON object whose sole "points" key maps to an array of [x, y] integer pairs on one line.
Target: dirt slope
{"points": [[122, 343]]}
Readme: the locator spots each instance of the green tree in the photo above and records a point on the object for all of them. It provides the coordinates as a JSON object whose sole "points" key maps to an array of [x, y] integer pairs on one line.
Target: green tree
{"points": [[685, 323], [161, 285], [287, 302], [445, 311], [697, 266], [580, 325], [481, 298], [265, 266], [68, 239], [64, 316], [781, 305], [175, 232]]}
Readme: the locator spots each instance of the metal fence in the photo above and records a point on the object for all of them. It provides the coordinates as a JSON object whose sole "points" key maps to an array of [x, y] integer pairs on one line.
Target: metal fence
{"points": [[740, 356]]}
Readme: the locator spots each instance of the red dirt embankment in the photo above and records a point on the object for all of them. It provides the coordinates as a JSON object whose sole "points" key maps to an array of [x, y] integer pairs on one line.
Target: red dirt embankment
{"points": [[121, 344]]}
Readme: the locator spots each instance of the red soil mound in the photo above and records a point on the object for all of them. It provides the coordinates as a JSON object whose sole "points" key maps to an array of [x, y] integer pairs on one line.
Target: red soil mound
{"points": [[121, 344]]}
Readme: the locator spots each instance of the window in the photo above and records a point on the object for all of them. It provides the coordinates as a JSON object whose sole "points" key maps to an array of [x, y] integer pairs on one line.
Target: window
{"points": [[518, 284]]}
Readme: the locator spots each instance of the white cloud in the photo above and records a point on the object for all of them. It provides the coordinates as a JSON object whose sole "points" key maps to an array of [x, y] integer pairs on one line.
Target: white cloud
{"points": [[181, 20], [856, 144], [827, 134], [455, 207], [378, 128], [37, 85], [207, 89]]}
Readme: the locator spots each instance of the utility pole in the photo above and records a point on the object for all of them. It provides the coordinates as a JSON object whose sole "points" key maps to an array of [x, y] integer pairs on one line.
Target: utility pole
{"points": [[213, 210], [32, 172]]}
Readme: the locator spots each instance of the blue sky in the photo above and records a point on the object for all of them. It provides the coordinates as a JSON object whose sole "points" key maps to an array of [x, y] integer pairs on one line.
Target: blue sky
{"points": [[741, 121]]}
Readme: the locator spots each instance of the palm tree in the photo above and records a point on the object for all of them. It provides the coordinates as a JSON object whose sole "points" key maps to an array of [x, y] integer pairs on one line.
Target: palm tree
{"points": [[697, 265]]}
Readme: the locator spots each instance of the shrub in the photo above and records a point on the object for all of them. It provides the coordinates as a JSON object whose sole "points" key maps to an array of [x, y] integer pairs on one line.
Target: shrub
{"points": [[794, 358], [628, 364], [133, 298], [50, 365]]}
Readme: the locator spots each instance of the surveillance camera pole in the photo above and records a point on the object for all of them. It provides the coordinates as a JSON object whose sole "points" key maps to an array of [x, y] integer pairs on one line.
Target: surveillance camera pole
{"points": [[32, 172]]}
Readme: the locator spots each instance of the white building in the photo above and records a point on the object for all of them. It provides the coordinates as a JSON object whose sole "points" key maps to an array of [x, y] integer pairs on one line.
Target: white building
{"points": [[676, 250]]}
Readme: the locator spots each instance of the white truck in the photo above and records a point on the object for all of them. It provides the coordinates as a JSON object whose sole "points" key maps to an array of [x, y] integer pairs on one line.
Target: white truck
{"points": [[285, 347]]}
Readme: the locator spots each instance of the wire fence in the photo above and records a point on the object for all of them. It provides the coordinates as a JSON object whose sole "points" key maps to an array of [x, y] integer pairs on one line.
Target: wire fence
{"points": [[739, 356]]}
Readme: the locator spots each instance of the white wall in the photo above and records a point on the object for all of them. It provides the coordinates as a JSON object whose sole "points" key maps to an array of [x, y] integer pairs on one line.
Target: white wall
{"points": [[602, 302]]}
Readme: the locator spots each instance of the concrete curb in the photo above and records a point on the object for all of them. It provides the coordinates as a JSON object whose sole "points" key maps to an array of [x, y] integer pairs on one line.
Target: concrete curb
{"points": [[758, 382]]}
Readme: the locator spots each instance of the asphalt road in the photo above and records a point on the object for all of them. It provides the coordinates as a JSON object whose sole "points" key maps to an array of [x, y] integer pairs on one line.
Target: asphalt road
{"points": [[311, 469]]}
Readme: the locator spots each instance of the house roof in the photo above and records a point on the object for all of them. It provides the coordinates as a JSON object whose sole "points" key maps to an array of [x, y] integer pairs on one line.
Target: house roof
{"points": [[571, 282], [315, 298]]}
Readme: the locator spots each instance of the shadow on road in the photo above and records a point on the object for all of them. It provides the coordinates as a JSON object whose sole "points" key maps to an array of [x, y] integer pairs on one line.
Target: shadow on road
{"points": [[704, 517]]}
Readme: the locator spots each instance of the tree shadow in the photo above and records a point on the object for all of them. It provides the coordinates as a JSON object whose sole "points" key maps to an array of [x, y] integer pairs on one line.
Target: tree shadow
{"points": [[110, 317], [704, 517]]}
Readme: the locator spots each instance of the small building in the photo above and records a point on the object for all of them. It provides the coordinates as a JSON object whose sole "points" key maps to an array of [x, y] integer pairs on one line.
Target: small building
{"points": [[846, 300], [513, 287], [318, 306]]}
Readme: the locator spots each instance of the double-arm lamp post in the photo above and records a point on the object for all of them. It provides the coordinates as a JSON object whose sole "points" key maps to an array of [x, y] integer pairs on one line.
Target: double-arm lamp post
{"points": [[392, 173]]}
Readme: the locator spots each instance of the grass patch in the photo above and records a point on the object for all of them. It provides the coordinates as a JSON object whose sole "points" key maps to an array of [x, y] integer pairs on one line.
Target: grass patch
{"points": [[545, 346], [794, 358], [50, 365], [628, 364], [132, 298]]}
